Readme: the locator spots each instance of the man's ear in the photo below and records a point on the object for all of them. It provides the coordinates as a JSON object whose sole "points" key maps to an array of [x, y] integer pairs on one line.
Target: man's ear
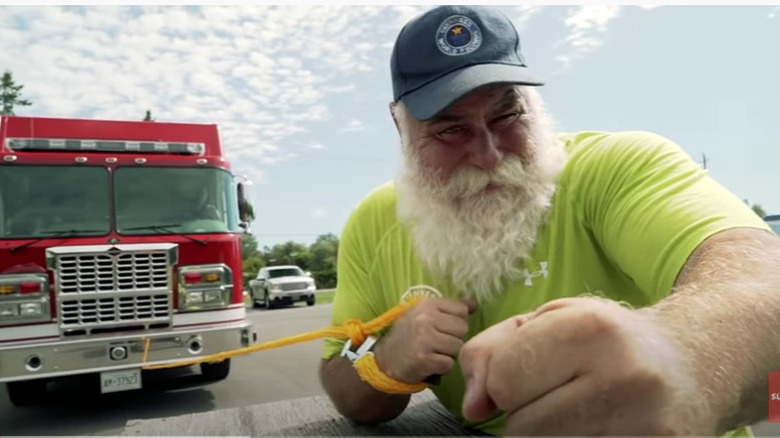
{"points": [[391, 105]]}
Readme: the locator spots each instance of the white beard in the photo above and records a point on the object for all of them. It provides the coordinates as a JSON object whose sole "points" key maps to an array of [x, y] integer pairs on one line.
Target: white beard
{"points": [[476, 239]]}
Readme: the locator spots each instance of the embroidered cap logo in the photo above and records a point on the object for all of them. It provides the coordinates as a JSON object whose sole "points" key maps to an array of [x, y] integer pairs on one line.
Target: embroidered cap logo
{"points": [[458, 35]]}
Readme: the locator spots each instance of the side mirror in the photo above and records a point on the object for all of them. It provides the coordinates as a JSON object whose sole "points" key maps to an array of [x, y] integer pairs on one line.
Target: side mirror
{"points": [[308, 274], [246, 212]]}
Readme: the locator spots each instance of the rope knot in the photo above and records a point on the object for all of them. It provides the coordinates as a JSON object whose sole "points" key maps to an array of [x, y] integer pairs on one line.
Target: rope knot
{"points": [[355, 332]]}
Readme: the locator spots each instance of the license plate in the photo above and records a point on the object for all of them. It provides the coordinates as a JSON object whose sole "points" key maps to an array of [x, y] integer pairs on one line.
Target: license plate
{"points": [[124, 380]]}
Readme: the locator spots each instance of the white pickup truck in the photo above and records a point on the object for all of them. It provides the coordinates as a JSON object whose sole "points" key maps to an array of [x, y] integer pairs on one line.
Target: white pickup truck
{"points": [[285, 284]]}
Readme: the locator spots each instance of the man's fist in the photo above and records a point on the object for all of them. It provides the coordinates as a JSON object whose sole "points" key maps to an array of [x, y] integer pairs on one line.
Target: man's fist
{"points": [[426, 340], [582, 366]]}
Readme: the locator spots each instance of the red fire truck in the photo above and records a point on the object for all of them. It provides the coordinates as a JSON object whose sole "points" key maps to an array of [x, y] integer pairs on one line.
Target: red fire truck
{"points": [[120, 246]]}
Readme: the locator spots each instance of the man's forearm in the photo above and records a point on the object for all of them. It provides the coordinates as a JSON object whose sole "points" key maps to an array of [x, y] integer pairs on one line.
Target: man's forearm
{"points": [[724, 313], [355, 398]]}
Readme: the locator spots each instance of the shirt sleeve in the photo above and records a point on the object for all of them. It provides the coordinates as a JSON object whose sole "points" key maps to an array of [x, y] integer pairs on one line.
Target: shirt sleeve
{"points": [[357, 251], [649, 205]]}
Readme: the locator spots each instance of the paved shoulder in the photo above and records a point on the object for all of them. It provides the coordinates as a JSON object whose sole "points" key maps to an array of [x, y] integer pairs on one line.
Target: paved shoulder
{"points": [[309, 416]]}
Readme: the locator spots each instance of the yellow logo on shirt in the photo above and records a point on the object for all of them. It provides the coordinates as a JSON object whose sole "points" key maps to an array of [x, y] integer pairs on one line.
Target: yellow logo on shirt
{"points": [[421, 290]]}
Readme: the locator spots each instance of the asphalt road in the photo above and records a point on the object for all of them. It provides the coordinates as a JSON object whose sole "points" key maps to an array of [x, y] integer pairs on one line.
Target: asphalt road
{"points": [[75, 407]]}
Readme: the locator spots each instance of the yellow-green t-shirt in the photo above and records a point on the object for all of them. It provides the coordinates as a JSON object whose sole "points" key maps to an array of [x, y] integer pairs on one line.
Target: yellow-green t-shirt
{"points": [[628, 211]]}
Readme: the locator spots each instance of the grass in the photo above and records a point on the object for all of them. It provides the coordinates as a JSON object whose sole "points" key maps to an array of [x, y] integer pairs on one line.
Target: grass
{"points": [[324, 296]]}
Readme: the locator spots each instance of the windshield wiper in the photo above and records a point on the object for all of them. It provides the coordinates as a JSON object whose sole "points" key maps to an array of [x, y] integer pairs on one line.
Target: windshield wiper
{"points": [[56, 233], [166, 228]]}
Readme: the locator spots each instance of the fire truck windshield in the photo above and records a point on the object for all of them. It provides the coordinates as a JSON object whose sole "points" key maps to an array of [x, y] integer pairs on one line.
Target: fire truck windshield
{"points": [[41, 201], [154, 200]]}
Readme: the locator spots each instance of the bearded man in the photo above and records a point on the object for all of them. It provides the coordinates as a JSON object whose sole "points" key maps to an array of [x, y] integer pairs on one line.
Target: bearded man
{"points": [[576, 284]]}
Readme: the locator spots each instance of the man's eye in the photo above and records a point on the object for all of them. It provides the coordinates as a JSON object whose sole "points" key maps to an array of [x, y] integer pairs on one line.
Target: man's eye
{"points": [[451, 130], [508, 117]]}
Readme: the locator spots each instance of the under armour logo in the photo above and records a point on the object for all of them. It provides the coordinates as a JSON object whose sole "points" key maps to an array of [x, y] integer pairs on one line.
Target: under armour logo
{"points": [[529, 276]]}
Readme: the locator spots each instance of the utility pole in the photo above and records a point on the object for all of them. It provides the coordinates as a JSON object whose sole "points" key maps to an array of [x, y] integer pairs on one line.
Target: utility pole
{"points": [[703, 160]]}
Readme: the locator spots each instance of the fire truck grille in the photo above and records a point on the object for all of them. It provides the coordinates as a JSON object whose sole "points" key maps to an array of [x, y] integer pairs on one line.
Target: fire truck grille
{"points": [[103, 292], [112, 310], [86, 273]]}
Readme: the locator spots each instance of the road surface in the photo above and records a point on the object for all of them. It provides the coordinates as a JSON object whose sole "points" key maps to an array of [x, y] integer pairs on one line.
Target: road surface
{"points": [[266, 376]]}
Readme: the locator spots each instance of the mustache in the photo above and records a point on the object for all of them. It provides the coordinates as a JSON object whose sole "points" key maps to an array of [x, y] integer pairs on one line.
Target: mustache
{"points": [[471, 181]]}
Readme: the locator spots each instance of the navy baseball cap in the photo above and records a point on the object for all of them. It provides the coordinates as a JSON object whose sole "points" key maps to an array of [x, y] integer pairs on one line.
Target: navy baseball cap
{"points": [[449, 51]]}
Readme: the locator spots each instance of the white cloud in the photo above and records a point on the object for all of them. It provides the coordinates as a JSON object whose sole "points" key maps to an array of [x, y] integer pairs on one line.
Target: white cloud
{"points": [[649, 6], [522, 15], [316, 146], [774, 13], [406, 13], [587, 26], [260, 72], [354, 125]]}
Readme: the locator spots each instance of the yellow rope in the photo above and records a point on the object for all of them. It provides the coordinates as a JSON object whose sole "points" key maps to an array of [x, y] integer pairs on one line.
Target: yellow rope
{"points": [[369, 371], [146, 349], [352, 329]]}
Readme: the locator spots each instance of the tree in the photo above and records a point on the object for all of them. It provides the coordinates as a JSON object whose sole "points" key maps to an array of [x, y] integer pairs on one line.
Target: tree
{"points": [[248, 246], [289, 253], [324, 254], [148, 116], [251, 258], [757, 209], [251, 266], [10, 94], [319, 258]]}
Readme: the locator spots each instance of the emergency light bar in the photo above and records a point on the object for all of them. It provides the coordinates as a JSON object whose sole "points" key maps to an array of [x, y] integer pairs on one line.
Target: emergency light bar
{"points": [[49, 144]]}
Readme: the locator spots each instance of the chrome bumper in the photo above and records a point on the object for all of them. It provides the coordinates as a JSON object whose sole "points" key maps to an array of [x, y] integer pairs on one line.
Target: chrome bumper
{"points": [[71, 357], [292, 294]]}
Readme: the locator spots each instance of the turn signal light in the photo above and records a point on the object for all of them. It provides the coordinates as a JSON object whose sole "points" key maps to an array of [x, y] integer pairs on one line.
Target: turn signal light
{"points": [[212, 277], [200, 277]]}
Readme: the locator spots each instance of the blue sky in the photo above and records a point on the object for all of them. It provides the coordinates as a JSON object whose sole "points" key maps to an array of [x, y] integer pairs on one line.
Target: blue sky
{"points": [[301, 92]]}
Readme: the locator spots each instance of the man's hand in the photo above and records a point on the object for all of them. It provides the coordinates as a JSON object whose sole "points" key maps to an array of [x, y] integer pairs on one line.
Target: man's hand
{"points": [[582, 366], [426, 340]]}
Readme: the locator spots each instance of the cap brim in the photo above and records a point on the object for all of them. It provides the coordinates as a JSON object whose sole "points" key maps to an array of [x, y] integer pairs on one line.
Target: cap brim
{"points": [[428, 101]]}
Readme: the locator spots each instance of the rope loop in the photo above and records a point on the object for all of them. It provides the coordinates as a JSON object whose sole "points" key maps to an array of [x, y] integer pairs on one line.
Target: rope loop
{"points": [[355, 330]]}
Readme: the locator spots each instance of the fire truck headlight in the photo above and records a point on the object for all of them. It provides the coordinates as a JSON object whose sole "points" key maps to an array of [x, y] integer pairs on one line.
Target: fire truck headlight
{"points": [[30, 309], [194, 298], [212, 296], [9, 309]]}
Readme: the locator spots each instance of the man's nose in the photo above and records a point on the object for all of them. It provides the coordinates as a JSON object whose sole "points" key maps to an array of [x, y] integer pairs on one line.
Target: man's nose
{"points": [[484, 151]]}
